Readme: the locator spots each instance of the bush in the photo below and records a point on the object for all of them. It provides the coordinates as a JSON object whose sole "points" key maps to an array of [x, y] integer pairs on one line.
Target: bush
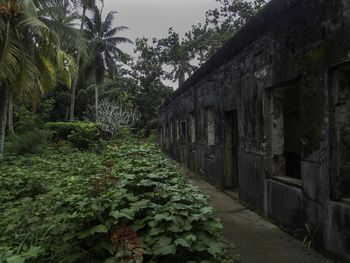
{"points": [[29, 142], [82, 135], [26, 120], [153, 136]]}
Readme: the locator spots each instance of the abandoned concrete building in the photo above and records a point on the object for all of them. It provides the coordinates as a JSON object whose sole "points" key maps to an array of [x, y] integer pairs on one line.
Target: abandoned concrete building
{"points": [[269, 115]]}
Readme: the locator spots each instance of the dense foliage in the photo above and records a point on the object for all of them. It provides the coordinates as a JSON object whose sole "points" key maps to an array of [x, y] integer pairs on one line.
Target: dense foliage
{"points": [[82, 135], [128, 204]]}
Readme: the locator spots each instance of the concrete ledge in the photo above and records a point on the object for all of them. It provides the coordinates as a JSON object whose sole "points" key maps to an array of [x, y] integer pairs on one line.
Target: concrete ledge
{"points": [[285, 204]]}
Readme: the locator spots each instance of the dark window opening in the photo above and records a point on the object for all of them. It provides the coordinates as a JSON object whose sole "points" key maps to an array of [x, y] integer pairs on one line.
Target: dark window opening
{"points": [[285, 133], [192, 133], [292, 137], [340, 141], [210, 132], [177, 127], [167, 134], [230, 150], [171, 132], [183, 132]]}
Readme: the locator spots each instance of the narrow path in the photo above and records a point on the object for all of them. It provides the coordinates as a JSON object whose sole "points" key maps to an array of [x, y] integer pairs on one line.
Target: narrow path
{"points": [[257, 240]]}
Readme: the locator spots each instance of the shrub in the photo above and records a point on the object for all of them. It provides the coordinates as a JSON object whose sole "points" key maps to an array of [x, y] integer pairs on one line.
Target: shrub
{"points": [[153, 136], [82, 135], [26, 120], [29, 142]]}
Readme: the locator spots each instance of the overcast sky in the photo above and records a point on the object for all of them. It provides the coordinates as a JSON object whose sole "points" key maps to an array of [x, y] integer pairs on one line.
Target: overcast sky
{"points": [[152, 18]]}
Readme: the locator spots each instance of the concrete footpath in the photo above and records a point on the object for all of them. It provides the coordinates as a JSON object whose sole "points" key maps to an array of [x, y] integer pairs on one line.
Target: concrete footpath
{"points": [[257, 240]]}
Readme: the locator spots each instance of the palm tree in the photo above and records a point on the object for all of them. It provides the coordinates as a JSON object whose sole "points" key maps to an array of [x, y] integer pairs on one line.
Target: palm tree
{"points": [[30, 57], [104, 42], [61, 16], [85, 4]]}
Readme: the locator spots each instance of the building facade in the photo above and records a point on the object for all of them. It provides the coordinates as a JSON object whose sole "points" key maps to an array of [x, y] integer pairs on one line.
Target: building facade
{"points": [[269, 115]]}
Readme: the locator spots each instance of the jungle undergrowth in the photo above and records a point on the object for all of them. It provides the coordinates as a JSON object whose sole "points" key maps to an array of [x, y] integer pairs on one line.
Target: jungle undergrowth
{"points": [[127, 203]]}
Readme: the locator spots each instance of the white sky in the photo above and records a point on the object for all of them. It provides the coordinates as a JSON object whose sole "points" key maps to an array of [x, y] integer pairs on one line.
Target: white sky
{"points": [[152, 18]]}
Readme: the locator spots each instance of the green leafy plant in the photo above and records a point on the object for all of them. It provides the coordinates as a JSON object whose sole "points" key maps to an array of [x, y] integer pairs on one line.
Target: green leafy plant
{"points": [[26, 120], [29, 142], [82, 135], [127, 204]]}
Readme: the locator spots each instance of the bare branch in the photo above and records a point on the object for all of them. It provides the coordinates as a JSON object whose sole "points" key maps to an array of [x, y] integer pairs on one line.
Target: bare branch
{"points": [[112, 117]]}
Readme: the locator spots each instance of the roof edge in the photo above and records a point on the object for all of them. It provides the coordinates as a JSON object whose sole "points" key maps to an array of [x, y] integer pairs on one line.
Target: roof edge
{"points": [[258, 25]]}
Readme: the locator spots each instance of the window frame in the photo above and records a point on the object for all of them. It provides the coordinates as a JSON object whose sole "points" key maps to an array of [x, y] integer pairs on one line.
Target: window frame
{"points": [[210, 145], [192, 131], [276, 137], [337, 107]]}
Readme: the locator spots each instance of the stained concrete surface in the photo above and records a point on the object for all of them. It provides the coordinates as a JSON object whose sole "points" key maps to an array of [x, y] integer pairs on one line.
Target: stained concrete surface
{"points": [[256, 240]]}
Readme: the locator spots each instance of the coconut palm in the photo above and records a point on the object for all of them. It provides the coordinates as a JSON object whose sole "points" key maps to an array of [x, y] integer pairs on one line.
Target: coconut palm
{"points": [[104, 46], [84, 4], [31, 59], [61, 17]]}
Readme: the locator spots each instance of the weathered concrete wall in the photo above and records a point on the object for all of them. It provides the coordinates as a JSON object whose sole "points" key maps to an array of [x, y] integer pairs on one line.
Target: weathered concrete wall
{"points": [[295, 43]]}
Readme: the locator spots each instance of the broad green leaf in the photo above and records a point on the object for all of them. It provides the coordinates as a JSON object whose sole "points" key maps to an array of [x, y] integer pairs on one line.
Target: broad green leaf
{"points": [[164, 246], [157, 230], [124, 213], [216, 247], [16, 259], [182, 242], [190, 238], [139, 224], [141, 204], [89, 232], [199, 246], [110, 260], [213, 225], [33, 252], [164, 216]]}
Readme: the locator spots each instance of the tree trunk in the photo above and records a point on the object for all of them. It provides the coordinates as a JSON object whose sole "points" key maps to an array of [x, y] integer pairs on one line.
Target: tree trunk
{"points": [[75, 82], [4, 99], [10, 114], [72, 95], [96, 102]]}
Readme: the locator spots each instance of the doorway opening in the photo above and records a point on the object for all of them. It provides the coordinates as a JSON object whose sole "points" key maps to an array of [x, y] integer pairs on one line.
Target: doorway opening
{"points": [[230, 150]]}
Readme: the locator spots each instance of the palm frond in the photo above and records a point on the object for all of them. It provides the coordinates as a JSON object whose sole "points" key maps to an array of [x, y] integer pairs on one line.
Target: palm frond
{"points": [[31, 58], [25, 85], [10, 56], [40, 29], [107, 24], [118, 40], [112, 32]]}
